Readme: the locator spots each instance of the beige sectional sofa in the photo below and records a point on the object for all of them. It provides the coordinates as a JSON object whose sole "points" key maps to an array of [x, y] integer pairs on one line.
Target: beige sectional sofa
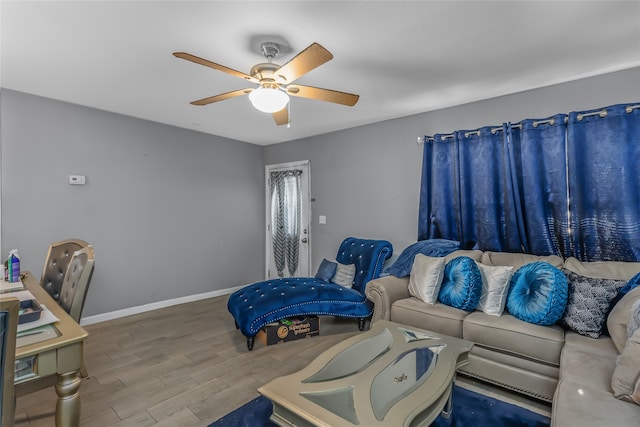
{"points": [[546, 362]]}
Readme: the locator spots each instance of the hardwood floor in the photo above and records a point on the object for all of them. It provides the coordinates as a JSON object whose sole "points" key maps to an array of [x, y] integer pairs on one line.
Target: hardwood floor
{"points": [[187, 365]]}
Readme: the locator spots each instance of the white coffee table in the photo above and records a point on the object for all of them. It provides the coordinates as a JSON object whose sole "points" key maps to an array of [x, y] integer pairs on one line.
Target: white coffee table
{"points": [[391, 375]]}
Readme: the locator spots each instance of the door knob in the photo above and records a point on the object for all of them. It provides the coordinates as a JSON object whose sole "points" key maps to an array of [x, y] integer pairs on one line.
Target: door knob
{"points": [[304, 240]]}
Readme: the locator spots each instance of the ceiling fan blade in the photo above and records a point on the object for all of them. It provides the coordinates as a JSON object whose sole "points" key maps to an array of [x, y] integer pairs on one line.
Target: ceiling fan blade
{"points": [[281, 117], [320, 94], [221, 97], [215, 66], [310, 58]]}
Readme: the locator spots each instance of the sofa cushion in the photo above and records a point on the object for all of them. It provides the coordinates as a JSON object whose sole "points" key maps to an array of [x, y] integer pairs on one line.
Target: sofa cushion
{"points": [[438, 317], [462, 284], [592, 360], [517, 260], [575, 404], [495, 287], [426, 278], [474, 254], [583, 396], [626, 376], [603, 269], [631, 285], [538, 293], [619, 318], [588, 303], [431, 247], [507, 334], [602, 346]]}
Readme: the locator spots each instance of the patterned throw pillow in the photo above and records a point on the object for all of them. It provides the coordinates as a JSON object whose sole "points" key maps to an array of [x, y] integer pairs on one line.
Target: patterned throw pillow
{"points": [[345, 274], [588, 303]]}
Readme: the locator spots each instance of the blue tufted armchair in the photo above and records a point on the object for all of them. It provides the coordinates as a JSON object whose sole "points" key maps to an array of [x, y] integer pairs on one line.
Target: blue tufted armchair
{"points": [[254, 306]]}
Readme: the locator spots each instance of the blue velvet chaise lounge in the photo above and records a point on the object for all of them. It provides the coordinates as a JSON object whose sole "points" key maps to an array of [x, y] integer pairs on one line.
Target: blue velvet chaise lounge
{"points": [[256, 305]]}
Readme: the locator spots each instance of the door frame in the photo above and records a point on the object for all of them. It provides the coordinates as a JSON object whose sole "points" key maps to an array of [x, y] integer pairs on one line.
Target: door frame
{"points": [[305, 165]]}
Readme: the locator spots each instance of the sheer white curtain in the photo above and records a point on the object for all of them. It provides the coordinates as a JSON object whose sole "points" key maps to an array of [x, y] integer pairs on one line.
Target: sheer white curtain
{"points": [[285, 219]]}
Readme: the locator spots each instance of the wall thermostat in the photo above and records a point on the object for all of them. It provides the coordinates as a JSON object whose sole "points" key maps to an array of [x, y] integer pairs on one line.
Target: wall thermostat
{"points": [[77, 179]]}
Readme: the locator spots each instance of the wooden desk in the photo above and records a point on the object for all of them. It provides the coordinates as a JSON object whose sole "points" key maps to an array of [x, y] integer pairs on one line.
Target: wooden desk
{"points": [[61, 357]]}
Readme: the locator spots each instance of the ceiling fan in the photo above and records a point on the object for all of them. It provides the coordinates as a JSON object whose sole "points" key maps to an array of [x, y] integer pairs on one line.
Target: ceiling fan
{"points": [[276, 82]]}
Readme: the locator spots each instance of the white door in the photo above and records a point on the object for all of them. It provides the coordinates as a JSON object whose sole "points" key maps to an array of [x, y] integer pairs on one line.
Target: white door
{"points": [[288, 215]]}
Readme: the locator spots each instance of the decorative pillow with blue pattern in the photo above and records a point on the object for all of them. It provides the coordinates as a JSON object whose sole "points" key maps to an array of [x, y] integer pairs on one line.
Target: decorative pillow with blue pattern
{"points": [[538, 293], [588, 302]]}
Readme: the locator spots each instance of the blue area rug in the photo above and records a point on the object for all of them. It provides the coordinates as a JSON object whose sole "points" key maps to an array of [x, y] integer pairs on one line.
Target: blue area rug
{"points": [[470, 409]]}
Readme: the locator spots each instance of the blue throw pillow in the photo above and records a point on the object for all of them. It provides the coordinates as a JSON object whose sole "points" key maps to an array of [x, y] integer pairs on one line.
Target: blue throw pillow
{"points": [[326, 270], [430, 247], [462, 284], [538, 293]]}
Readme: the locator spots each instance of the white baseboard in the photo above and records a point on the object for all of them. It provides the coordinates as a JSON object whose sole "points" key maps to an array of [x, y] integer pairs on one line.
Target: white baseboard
{"points": [[89, 320]]}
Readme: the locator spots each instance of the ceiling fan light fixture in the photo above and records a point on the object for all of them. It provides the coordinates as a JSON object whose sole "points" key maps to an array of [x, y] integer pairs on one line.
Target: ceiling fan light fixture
{"points": [[269, 99]]}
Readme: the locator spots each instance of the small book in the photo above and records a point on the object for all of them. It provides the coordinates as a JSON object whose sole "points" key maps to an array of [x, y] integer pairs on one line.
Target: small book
{"points": [[10, 286]]}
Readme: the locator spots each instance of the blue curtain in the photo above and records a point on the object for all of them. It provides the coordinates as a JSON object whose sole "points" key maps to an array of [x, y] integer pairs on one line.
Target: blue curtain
{"points": [[465, 176], [439, 198], [537, 150], [488, 220], [567, 185], [604, 183]]}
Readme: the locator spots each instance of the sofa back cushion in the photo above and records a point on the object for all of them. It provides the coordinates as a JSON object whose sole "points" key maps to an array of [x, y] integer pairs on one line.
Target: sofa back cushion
{"points": [[619, 318], [603, 269], [474, 254], [517, 260]]}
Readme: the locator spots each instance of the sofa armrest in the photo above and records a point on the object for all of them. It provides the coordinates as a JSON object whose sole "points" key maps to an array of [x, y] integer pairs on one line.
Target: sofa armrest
{"points": [[383, 292]]}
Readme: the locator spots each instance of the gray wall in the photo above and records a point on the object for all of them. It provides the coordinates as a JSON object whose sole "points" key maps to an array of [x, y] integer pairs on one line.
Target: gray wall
{"points": [[173, 213], [366, 180], [170, 212]]}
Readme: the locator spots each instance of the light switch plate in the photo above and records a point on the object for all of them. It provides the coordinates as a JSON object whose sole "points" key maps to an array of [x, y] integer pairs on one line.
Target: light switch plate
{"points": [[322, 219]]}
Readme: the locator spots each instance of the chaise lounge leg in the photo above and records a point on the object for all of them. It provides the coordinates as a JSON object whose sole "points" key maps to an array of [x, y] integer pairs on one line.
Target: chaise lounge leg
{"points": [[250, 341], [361, 323]]}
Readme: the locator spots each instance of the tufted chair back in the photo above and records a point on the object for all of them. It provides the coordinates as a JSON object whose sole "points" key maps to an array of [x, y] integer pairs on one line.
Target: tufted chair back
{"points": [[368, 256], [8, 327], [56, 263], [76, 282]]}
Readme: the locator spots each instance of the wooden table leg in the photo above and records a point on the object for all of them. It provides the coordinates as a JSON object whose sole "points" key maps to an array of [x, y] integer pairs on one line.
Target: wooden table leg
{"points": [[68, 406]]}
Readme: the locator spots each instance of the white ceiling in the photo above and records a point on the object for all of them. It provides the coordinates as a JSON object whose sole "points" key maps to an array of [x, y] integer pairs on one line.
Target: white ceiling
{"points": [[401, 57]]}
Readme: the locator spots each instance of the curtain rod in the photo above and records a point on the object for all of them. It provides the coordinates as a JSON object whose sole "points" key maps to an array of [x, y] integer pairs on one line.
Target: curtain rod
{"points": [[601, 113]]}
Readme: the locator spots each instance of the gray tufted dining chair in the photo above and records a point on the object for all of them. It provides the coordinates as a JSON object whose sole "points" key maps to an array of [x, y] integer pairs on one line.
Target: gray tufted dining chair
{"points": [[56, 262], [76, 282], [75, 285]]}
